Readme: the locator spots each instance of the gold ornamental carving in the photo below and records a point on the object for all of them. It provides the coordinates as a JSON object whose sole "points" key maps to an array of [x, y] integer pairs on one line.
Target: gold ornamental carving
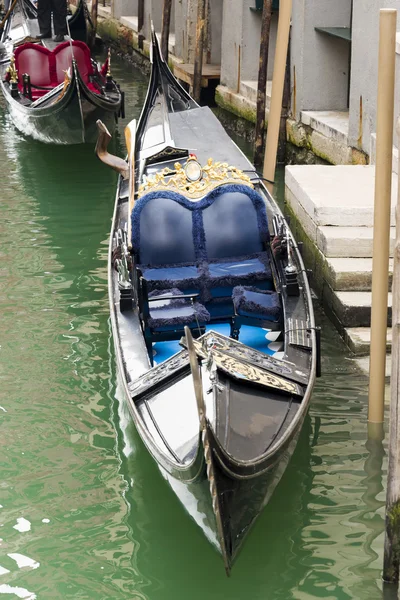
{"points": [[12, 71], [213, 175], [66, 82]]}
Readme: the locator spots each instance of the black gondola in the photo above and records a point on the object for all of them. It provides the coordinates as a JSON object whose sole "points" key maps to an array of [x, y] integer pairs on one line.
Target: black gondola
{"points": [[54, 93], [199, 249], [78, 21]]}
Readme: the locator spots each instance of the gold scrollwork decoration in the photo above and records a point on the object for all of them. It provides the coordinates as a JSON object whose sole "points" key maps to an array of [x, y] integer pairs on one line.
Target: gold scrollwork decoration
{"points": [[214, 174], [67, 81], [12, 71]]}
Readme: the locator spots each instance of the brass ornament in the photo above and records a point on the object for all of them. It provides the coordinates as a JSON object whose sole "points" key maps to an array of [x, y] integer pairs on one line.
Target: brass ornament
{"points": [[12, 70], [66, 82], [245, 371], [214, 174], [108, 74]]}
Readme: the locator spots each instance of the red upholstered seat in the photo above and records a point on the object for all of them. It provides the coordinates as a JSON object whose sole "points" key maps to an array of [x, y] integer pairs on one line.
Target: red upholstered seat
{"points": [[47, 68], [63, 60], [34, 60]]}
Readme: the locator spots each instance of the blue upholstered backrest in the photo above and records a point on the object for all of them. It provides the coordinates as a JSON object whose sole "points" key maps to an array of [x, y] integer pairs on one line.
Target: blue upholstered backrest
{"points": [[165, 233], [167, 228], [231, 227]]}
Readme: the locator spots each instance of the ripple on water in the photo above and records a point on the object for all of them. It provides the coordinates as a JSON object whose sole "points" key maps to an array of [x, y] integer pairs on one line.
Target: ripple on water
{"points": [[103, 524]]}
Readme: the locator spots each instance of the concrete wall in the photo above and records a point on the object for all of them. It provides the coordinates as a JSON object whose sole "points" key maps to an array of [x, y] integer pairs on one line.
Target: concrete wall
{"points": [[215, 30], [125, 8], [153, 12], [185, 18], [241, 43], [319, 63], [179, 28], [364, 76]]}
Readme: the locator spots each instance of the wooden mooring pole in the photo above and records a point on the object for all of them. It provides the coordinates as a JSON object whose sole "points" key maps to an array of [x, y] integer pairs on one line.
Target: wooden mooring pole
{"points": [[140, 23], [198, 58], [392, 522], [166, 20], [278, 81], [262, 82], [93, 16], [383, 193]]}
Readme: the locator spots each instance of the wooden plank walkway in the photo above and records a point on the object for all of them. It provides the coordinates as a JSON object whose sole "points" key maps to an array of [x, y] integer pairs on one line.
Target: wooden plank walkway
{"points": [[185, 72]]}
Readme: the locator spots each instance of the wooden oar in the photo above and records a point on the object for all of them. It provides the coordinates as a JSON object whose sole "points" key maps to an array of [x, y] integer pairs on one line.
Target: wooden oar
{"points": [[130, 140], [198, 386], [8, 13], [205, 434]]}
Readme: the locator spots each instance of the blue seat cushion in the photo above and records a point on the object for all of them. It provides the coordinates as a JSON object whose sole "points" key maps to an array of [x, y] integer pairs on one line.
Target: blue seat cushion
{"points": [[168, 313], [241, 270], [183, 277], [255, 303]]}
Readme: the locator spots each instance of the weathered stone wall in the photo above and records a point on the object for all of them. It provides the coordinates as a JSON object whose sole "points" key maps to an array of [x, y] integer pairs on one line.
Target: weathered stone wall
{"points": [[319, 63], [241, 43], [364, 74], [125, 8]]}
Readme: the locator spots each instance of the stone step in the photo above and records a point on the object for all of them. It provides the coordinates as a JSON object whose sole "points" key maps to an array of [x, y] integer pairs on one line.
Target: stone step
{"points": [[351, 309], [341, 195], [358, 339], [249, 90], [348, 242], [351, 274], [332, 124], [363, 364]]}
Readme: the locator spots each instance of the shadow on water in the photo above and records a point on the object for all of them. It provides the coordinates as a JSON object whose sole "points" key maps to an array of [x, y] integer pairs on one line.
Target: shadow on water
{"points": [[173, 550]]}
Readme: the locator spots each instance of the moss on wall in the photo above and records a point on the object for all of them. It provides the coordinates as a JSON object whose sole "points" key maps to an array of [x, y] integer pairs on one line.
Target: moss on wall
{"points": [[241, 111]]}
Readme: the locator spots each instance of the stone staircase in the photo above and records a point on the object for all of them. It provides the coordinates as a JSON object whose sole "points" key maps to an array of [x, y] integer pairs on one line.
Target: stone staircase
{"points": [[332, 211]]}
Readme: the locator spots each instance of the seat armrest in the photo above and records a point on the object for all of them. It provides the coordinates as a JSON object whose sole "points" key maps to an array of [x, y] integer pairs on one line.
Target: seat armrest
{"points": [[170, 297]]}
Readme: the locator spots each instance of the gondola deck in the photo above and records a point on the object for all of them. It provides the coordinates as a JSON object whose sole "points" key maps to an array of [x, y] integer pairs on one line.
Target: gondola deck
{"points": [[258, 339], [200, 249]]}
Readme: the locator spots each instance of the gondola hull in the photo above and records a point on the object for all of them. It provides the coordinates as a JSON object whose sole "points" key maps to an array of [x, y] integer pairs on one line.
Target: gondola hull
{"points": [[240, 501], [220, 417], [77, 22], [71, 119], [46, 104]]}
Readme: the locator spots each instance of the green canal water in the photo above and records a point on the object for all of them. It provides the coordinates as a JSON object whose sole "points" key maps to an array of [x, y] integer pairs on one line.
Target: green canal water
{"points": [[84, 512]]}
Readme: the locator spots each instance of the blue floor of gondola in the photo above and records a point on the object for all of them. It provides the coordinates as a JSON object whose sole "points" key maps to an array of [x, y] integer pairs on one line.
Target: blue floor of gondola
{"points": [[251, 336]]}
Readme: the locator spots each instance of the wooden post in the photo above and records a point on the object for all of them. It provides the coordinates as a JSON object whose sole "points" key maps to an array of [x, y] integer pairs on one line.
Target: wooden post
{"points": [[383, 189], [140, 23], [278, 81], [392, 534], [198, 59], [281, 151], [262, 82], [94, 22], [166, 20]]}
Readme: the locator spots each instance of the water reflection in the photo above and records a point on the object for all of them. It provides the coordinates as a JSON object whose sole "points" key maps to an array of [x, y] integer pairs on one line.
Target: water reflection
{"points": [[62, 500], [80, 497], [162, 529]]}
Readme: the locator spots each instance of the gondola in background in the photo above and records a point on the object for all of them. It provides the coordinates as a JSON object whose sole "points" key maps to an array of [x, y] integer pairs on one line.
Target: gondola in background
{"points": [[199, 249], [54, 92]]}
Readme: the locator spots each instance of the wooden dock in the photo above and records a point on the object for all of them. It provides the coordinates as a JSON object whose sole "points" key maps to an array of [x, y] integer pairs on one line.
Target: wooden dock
{"points": [[185, 72]]}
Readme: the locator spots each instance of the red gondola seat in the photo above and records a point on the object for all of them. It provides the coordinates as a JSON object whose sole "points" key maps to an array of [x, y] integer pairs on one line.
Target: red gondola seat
{"points": [[63, 60], [46, 68]]}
